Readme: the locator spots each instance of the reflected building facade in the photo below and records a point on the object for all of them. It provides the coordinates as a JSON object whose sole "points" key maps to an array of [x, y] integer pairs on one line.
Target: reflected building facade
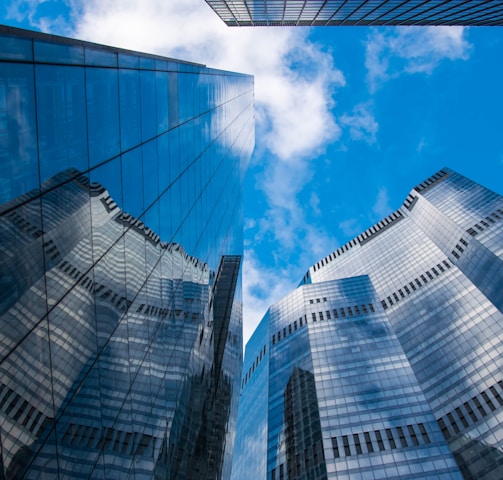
{"points": [[120, 306], [401, 329], [241, 13]]}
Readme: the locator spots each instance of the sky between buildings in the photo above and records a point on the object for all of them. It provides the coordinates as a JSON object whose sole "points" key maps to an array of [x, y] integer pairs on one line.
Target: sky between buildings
{"points": [[349, 119]]}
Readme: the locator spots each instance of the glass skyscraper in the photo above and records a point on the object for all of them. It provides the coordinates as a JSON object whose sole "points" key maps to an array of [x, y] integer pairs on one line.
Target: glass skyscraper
{"points": [[240, 13], [121, 238], [386, 361]]}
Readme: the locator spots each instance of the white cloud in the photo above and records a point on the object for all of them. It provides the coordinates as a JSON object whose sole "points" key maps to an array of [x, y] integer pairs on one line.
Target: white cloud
{"points": [[295, 83], [399, 50], [261, 288], [361, 123], [381, 205], [350, 227]]}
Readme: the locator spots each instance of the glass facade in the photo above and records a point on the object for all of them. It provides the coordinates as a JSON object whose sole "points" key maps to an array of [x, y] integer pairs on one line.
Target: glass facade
{"points": [[434, 277], [334, 395], [239, 13], [121, 238]]}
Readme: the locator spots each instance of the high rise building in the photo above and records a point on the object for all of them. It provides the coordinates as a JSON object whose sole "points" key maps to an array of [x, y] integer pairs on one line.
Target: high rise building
{"points": [[386, 360], [240, 13], [121, 238]]}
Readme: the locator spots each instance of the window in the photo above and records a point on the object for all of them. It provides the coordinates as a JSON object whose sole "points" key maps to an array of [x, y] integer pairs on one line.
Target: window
{"points": [[488, 401], [461, 417], [496, 395], [480, 408], [470, 411], [368, 441], [335, 447], [391, 440], [413, 435], [424, 433], [358, 445], [328, 314], [380, 443], [401, 436], [345, 442]]}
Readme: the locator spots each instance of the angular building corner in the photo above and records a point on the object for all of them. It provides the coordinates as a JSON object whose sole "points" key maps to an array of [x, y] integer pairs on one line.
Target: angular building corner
{"points": [[121, 235], [386, 362]]}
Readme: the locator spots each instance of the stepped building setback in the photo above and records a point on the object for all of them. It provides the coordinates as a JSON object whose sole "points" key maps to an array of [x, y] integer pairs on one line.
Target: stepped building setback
{"points": [[386, 361], [121, 239], [246, 13]]}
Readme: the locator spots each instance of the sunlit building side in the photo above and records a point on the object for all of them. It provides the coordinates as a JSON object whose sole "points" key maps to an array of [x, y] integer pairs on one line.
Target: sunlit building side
{"points": [[402, 329], [121, 237]]}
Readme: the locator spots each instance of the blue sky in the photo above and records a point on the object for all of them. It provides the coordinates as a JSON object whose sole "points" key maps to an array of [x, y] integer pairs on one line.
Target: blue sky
{"points": [[348, 119]]}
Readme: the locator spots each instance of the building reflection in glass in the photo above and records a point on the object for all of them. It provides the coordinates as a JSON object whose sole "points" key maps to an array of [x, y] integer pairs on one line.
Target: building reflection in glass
{"points": [[138, 378], [303, 428], [120, 288]]}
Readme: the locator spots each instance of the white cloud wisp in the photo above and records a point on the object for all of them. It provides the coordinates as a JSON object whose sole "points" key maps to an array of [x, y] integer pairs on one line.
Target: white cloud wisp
{"points": [[406, 50]]}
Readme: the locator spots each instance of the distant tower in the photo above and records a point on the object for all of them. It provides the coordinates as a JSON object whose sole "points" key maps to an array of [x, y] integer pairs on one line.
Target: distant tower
{"points": [[402, 330]]}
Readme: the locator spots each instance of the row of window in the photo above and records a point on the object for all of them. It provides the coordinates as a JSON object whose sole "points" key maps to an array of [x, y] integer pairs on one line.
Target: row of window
{"points": [[24, 225], [379, 227], [138, 226], [342, 312], [486, 222], [318, 300], [458, 249], [430, 181], [20, 410], [125, 443], [255, 364], [118, 301], [458, 419], [383, 224], [406, 290], [302, 464], [370, 442], [410, 201], [361, 239], [51, 249]]}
